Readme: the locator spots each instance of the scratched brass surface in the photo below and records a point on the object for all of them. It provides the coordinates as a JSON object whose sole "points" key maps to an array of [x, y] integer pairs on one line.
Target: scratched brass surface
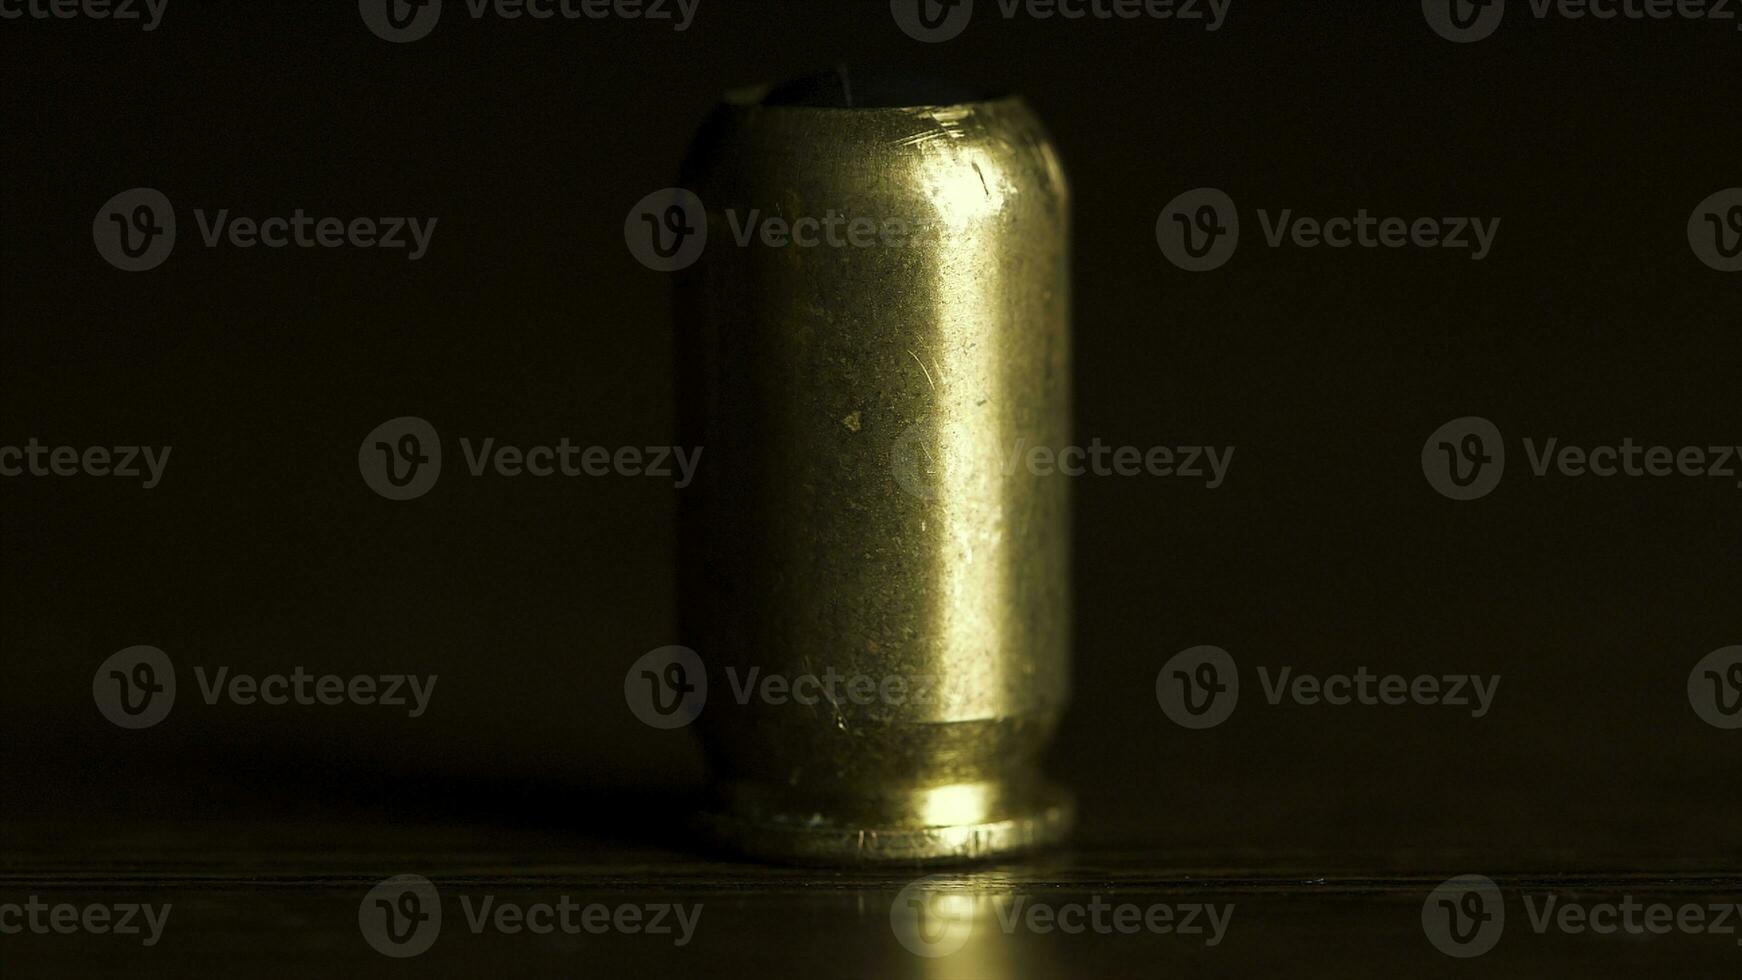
{"points": [[862, 405]]}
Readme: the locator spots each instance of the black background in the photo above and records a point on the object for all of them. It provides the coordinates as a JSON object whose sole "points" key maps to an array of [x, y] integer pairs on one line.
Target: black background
{"points": [[529, 321]]}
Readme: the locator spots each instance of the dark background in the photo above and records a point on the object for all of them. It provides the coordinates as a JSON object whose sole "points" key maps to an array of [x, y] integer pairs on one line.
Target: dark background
{"points": [[529, 321]]}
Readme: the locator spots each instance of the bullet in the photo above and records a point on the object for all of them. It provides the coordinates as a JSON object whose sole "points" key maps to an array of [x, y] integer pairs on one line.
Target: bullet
{"points": [[877, 585]]}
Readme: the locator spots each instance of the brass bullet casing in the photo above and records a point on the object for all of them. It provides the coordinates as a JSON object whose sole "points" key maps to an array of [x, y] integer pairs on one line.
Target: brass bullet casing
{"points": [[875, 579]]}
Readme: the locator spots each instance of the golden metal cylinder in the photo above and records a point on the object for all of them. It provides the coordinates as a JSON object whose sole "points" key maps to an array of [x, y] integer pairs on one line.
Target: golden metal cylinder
{"points": [[867, 400]]}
